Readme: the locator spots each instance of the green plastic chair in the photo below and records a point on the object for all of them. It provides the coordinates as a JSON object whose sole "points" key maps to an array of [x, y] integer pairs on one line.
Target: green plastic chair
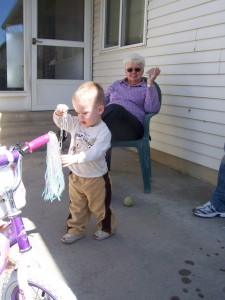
{"points": [[143, 147]]}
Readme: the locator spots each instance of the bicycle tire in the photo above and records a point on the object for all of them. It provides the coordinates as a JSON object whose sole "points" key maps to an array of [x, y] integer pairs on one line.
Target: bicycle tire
{"points": [[41, 289]]}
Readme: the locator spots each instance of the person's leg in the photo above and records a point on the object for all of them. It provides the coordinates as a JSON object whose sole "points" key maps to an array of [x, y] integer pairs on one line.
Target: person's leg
{"points": [[216, 206], [99, 199], [121, 123], [79, 211], [218, 196]]}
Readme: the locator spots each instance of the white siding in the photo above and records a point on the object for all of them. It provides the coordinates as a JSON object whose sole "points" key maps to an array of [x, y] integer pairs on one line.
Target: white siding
{"points": [[186, 39]]}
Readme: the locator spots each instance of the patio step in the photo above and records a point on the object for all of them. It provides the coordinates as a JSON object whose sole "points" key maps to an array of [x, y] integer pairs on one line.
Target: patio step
{"points": [[25, 126]]}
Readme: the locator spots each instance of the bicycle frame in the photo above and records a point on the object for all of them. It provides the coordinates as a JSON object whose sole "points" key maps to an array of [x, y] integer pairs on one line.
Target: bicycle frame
{"points": [[14, 231]]}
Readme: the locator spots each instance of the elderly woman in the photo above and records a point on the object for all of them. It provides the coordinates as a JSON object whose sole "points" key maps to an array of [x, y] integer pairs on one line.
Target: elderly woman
{"points": [[129, 99]]}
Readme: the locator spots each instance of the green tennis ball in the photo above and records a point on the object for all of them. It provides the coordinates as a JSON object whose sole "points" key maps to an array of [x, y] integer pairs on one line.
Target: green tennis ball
{"points": [[128, 201]]}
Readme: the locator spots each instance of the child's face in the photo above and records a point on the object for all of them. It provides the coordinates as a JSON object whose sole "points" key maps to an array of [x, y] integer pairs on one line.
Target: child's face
{"points": [[89, 113]]}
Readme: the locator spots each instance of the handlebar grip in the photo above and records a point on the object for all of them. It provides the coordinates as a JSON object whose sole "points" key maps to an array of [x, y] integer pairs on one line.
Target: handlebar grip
{"points": [[9, 157], [38, 142]]}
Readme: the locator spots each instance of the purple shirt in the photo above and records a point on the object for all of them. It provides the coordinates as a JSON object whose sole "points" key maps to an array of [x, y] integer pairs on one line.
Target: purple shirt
{"points": [[137, 99]]}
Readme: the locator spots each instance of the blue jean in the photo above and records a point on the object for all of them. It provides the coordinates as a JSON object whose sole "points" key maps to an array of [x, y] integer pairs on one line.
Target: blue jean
{"points": [[218, 196]]}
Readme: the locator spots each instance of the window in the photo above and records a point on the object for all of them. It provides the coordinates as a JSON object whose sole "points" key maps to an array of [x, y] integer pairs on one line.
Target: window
{"points": [[124, 22], [11, 45], [61, 20]]}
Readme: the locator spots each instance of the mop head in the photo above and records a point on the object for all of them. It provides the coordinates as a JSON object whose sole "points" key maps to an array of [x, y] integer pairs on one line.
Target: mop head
{"points": [[54, 177]]}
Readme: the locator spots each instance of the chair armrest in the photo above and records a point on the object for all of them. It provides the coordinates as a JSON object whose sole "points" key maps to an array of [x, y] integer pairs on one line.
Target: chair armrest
{"points": [[150, 115], [147, 124]]}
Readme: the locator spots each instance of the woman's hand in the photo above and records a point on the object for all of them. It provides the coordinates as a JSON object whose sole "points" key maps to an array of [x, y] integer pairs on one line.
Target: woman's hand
{"points": [[61, 109], [68, 160], [152, 75]]}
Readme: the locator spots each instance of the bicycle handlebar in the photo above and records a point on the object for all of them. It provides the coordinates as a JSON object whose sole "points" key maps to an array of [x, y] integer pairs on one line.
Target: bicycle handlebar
{"points": [[9, 157], [38, 142], [12, 156]]}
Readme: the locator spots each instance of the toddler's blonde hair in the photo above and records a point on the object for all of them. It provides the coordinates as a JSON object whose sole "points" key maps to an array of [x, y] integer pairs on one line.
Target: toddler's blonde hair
{"points": [[90, 91]]}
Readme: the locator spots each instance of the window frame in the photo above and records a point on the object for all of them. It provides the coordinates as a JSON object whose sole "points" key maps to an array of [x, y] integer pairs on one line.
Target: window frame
{"points": [[15, 90], [121, 22]]}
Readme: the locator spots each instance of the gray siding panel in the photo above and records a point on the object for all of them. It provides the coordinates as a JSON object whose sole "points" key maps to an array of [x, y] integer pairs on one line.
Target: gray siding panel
{"points": [[186, 40]]}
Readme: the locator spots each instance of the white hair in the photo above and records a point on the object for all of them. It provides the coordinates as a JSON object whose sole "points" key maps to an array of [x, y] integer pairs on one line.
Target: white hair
{"points": [[134, 58]]}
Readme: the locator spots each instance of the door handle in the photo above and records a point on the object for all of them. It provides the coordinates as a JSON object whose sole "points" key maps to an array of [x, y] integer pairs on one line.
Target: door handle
{"points": [[35, 41]]}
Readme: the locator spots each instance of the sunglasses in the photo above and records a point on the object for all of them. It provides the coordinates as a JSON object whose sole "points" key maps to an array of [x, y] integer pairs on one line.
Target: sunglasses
{"points": [[133, 69]]}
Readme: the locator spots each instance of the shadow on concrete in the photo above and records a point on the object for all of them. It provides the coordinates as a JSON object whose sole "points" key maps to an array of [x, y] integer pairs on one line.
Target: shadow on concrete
{"points": [[160, 250]]}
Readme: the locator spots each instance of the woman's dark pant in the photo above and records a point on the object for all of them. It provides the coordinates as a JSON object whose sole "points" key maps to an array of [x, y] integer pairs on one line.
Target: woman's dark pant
{"points": [[122, 125]]}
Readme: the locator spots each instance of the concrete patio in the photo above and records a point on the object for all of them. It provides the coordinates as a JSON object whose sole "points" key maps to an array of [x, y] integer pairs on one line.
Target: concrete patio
{"points": [[160, 250]]}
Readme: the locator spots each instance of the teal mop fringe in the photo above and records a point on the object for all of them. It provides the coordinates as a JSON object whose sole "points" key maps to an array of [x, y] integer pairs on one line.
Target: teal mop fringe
{"points": [[54, 177]]}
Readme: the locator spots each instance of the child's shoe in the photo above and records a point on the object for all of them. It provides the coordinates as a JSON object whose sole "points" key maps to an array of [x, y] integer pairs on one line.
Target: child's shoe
{"points": [[100, 235], [70, 238]]}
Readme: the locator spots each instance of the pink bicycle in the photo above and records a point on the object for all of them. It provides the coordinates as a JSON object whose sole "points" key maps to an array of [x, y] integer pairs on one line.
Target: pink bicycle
{"points": [[26, 280]]}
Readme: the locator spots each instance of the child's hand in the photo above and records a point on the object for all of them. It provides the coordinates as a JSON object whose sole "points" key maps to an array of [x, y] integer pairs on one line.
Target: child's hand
{"points": [[61, 109], [68, 160]]}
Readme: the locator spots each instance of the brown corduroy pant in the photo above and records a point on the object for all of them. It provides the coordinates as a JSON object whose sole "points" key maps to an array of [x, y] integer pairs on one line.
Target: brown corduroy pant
{"points": [[90, 196]]}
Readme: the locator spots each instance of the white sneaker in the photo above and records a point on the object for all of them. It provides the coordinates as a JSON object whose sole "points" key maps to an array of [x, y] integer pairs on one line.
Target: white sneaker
{"points": [[208, 210], [70, 238], [100, 235]]}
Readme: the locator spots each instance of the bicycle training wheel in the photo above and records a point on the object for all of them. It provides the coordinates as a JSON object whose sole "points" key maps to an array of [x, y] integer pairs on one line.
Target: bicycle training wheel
{"points": [[40, 289]]}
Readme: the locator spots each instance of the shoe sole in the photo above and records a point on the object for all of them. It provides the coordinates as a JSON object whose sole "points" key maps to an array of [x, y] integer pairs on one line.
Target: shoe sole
{"points": [[212, 215]]}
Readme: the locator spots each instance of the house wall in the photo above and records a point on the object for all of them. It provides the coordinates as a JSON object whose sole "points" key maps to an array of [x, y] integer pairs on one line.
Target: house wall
{"points": [[186, 40]]}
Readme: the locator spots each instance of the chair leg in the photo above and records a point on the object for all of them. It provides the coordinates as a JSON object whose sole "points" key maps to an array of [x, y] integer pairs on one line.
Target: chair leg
{"points": [[145, 163]]}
